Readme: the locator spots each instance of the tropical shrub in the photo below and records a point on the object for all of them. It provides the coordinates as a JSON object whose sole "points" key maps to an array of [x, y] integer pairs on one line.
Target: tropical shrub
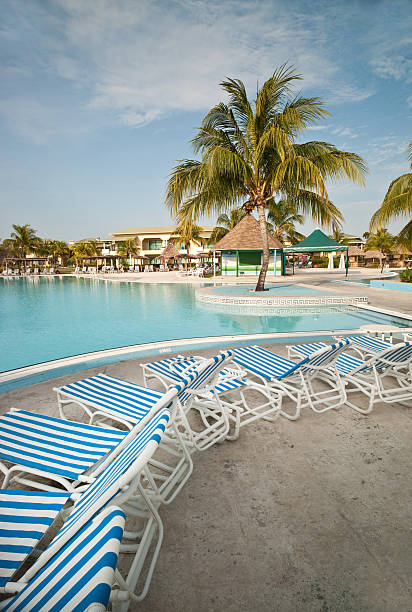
{"points": [[406, 276]]}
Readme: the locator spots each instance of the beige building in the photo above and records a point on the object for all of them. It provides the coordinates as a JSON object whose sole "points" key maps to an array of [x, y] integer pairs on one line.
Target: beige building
{"points": [[152, 240]]}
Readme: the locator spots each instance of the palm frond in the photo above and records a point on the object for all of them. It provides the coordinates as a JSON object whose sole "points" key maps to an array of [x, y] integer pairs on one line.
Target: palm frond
{"points": [[396, 204]]}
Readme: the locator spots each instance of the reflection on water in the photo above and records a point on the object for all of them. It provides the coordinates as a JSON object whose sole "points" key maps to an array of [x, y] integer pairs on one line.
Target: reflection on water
{"points": [[48, 318]]}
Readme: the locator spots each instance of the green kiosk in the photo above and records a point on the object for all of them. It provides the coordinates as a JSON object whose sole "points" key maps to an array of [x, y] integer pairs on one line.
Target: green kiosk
{"points": [[318, 242]]}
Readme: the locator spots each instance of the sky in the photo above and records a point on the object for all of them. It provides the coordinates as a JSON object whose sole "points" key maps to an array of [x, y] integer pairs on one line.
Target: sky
{"points": [[99, 98]]}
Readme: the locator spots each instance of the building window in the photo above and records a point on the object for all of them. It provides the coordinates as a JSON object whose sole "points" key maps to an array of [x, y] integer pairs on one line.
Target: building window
{"points": [[155, 245]]}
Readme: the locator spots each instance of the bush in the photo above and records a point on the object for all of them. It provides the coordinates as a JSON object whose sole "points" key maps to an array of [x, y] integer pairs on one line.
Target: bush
{"points": [[320, 262], [406, 276]]}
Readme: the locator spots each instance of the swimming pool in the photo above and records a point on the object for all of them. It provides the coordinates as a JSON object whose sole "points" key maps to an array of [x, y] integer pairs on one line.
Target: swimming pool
{"points": [[49, 318]]}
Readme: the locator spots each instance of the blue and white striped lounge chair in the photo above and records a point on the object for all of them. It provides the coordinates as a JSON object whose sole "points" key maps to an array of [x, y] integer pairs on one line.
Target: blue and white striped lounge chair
{"points": [[51, 448], [363, 345], [119, 481], [103, 397], [240, 411], [60, 450], [297, 380], [79, 576], [385, 377]]}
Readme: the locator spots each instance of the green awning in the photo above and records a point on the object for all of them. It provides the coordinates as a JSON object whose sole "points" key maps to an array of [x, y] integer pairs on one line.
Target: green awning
{"points": [[317, 241]]}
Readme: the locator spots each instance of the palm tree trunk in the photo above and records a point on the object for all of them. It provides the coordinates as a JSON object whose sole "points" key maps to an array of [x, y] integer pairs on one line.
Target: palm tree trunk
{"points": [[265, 262]]}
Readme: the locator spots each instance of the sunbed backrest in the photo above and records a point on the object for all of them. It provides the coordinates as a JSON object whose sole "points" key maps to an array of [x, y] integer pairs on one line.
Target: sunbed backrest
{"points": [[119, 472], [203, 374], [395, 356]]}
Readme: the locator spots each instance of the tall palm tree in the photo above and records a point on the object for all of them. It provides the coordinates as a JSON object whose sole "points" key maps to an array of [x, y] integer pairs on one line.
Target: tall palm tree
{"points": [[61, 249], [283, 215], [249, 156], [224, 223], [397, 204], [382, 241], [338, 236], [187, 232], [86, 248], [129, 248], [23, 240]]}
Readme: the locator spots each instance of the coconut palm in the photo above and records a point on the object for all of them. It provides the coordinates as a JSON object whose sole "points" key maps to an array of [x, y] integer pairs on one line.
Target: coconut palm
{"points": [[24, 240], [187, 232], [397, 204], [61, 249], [129, 248], [283, 215], [381, 241], [224, 223], [338, 236], [250, 155], [86, 248]]}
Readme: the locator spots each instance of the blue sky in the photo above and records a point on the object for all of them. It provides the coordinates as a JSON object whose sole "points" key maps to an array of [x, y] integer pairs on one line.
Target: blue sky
{"points": [[100, 97]]}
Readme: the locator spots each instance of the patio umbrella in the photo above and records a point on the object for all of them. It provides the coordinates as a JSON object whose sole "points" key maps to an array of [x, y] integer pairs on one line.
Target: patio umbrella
{"points": [[342, 262], [330, 263]]}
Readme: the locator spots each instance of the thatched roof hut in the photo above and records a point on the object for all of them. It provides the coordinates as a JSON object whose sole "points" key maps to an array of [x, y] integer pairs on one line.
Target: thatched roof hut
{"points": [[373, 255], [355, 251], [170, 251], [246, 236]]}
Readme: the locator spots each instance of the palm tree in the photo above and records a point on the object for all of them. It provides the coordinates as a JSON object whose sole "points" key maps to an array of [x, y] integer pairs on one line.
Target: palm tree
{"points": [[129, 248], [86, 248], [61, 249], [382, 241], [187, 232], [338, 236], [225, 223], [284, 215], [249, 156], [23, 240], [397, 204]]}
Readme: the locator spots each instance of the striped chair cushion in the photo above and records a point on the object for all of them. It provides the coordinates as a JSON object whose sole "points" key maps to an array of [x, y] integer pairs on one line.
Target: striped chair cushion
{"points": [[114, 396], [174, 367], [269, 366], [80, 575], [25, 517], [107, 484], [261, 361], [397, 355], [203, 373], [307, 349], [370, 343], [56, 446]]}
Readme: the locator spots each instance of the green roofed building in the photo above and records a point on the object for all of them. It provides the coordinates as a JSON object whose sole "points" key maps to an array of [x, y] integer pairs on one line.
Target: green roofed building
{"points": [[241, 250], [318, 242]]}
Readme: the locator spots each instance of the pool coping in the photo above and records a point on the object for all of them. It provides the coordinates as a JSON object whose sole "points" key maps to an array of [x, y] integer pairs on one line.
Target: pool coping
{"points": [[207, 296], [32, 374]]}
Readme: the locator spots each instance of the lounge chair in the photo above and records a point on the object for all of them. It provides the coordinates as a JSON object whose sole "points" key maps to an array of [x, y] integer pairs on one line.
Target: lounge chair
{"points": [[120, 482], [47, 447], [231, 386], [385, 377], [78, 577], [103, 397], [297, 380], [363, 345]]}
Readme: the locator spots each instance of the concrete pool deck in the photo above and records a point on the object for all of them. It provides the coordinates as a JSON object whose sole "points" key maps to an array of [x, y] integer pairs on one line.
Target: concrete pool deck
{"points": [[309, 515]]}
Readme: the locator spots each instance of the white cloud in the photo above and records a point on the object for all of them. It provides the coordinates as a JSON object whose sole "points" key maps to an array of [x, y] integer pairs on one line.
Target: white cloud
{"points": [[143, 60]]}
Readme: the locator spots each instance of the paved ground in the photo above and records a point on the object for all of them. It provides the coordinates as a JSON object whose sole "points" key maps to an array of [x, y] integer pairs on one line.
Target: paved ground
{"points": [[312, 515]]}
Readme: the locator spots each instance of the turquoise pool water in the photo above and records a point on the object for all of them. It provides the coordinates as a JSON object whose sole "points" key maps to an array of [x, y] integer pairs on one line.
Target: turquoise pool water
{"points": [[44, 319], [277, 289]]}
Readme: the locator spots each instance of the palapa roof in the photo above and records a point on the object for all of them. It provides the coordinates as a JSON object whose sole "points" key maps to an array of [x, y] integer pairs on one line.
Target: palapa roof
{"points": [[373, 255], [355, 251], [246, 236], [316, 241], [170, 251], [401, 250]]}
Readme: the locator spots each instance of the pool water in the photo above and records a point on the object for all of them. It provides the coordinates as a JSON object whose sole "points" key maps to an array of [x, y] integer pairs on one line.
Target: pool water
{"points": [[273, 290], [48, 318]]}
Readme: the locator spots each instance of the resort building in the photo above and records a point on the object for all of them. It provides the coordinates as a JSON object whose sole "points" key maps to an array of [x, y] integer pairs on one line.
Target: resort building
{"points": [[152, 240], [241, 250]]}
